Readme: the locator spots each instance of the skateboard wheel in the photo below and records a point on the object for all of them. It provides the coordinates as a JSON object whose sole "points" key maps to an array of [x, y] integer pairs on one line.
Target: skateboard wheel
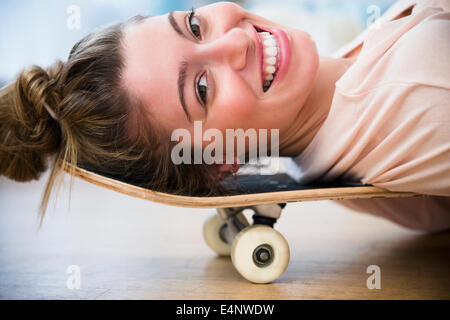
{"points": [[260, 254], [213, 230]]}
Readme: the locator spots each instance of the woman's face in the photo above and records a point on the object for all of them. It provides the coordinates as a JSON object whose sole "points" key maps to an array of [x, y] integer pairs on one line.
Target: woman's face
{"points": [[211, 68]]}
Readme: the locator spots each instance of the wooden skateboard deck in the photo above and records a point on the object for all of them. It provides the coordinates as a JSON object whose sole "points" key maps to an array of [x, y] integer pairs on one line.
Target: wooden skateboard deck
{"points": [[258, 251], [249, 190]]}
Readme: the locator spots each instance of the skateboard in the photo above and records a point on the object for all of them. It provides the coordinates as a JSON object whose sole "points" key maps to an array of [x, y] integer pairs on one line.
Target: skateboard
{"points": [[258, 251]]}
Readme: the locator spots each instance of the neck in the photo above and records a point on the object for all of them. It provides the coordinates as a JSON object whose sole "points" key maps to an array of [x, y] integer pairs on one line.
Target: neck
{"points": [[313, 113]]}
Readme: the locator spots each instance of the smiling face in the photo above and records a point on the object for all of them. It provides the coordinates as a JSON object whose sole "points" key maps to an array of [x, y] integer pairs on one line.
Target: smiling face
{"points": [[211, 67]]}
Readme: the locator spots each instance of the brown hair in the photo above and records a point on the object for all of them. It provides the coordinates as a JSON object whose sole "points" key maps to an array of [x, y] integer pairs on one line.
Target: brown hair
{"points": [[78, 113]]}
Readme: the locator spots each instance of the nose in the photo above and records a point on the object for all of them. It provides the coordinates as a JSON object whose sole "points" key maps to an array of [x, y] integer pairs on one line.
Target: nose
{"points": [[231, 48]]}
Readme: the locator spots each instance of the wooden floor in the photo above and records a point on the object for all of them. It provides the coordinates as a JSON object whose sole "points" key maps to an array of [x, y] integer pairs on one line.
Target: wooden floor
{"points": [[132, 249]]}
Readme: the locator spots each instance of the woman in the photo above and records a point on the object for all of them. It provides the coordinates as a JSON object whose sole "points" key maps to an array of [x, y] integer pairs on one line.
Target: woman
{"points": [[113, 106]]}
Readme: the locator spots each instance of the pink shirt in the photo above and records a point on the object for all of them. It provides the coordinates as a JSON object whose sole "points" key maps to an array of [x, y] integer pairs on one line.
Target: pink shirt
{"points": [[389, 122]]}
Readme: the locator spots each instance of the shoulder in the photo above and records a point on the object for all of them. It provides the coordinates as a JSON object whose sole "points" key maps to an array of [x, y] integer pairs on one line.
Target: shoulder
{"points": [[432, 28], [439, 4], [413, 50], [421, 55]]}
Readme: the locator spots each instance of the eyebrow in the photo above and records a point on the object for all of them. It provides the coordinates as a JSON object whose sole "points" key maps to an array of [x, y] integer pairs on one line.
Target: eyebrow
{"points": [[174, 24], [183, 67], [181, 82]]}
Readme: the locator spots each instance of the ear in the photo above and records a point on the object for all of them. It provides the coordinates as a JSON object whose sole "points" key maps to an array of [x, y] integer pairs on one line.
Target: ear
{"points": [[224, 170]]}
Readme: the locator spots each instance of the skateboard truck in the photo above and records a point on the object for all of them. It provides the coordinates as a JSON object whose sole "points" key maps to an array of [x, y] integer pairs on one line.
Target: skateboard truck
{"points": [[265, 214]]}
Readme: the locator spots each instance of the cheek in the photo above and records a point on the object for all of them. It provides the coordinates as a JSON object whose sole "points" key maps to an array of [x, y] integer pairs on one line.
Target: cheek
{"points": [[234, 110]]}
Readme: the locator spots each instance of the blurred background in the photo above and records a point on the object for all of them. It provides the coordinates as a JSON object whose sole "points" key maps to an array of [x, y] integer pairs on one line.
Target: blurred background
{"points": [[130, 248], [38, 32]]}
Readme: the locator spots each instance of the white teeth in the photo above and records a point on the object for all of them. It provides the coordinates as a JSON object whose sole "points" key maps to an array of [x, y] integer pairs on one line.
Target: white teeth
{"points": [[270, 69], [272, 51], [271, 60], [270, 42]]}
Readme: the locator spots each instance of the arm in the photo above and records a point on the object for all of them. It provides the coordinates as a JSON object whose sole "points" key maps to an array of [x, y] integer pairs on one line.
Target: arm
{"points": [[427, 213]]}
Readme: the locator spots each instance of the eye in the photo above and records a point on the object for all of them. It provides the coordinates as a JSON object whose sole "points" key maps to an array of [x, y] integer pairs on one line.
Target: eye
{"points": [[194, 24], [202, 88]]}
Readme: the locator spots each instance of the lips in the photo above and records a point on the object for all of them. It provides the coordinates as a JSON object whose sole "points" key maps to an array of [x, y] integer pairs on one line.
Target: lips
{"points": [[283, 56]]}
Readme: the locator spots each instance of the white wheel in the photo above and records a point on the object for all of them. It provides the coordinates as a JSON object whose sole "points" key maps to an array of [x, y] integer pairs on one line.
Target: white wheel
{"points": [[212, 232], [260, 254]]}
